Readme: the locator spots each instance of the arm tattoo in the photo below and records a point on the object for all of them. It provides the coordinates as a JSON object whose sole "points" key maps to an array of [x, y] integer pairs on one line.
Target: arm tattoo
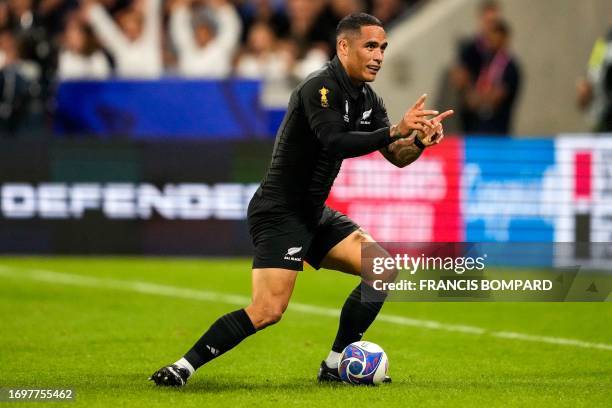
{"points": [[394, 131], [404, 155]]}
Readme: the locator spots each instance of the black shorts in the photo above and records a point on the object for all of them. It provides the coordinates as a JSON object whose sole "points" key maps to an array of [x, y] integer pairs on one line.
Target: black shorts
{"points": [[285, 239]]}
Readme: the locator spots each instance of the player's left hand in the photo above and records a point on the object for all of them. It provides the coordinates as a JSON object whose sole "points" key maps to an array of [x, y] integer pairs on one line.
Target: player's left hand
{"points": [[434, 135]]}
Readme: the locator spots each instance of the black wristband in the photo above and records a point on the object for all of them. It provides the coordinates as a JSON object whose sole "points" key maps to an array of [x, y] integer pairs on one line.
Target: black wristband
{"points": [[418, 143]]}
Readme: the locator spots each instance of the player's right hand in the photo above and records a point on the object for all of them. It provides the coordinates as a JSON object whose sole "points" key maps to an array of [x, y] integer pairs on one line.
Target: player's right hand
{"points": [[435, 135], [415, 118]]}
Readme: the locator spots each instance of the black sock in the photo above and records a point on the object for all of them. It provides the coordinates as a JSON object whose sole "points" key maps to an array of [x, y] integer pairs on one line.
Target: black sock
{"points": [[223, 335], [357, 315]]}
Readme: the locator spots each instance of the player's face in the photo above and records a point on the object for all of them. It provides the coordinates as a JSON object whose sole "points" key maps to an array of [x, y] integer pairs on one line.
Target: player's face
{"points": [[365, 53]]}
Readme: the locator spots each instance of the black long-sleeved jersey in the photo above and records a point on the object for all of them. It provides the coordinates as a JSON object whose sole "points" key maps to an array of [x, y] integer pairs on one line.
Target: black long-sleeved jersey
{"points": [[329, 118]]}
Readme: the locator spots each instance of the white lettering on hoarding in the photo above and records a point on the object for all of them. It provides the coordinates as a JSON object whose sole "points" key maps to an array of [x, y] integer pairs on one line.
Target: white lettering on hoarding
{"points": [[18, 200], [52, 200], [119, 201], [84, 196], [189, 201]]}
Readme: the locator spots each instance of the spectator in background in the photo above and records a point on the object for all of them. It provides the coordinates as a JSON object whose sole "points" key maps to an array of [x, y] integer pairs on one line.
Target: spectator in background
{"points": [[331, 16], [21, 14], [80, 56], [51, 14], [388, 10], [15, 88], [27, 19], [491, 98], [308, 35], [134, 40], [263, 57], [36, 23], [4, 15], [595, 91], [472, 55], [206, 38], [115, 6], [341, 8], [32, 25], [264, 11]]}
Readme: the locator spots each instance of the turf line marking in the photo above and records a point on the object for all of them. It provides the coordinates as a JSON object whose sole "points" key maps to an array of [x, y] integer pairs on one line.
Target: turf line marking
{"points": [[41, 275]]}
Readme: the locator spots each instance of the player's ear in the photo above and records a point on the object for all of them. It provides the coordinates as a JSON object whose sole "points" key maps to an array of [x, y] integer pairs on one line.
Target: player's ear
{"points": [[342, 46]]}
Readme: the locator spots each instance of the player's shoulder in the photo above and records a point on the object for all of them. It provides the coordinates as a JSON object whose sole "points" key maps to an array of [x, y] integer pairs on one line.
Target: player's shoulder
{"points": [[319, 79], [320, 88]]}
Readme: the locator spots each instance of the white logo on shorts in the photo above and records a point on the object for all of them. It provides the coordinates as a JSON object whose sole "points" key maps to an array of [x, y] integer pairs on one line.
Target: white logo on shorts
{"points": [[293, 251]]}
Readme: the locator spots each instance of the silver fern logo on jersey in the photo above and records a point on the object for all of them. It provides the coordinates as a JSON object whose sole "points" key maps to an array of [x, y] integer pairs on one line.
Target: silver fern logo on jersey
{"points": [[365, 118]]}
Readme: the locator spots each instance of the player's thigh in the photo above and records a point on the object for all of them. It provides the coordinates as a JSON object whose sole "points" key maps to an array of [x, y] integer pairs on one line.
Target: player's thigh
{"points": [[349, 255], [272, 287], [345, 256], [280, 237]]}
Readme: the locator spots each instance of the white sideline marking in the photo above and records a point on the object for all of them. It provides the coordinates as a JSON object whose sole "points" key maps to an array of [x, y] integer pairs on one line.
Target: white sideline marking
{"points": [[209, 296]]}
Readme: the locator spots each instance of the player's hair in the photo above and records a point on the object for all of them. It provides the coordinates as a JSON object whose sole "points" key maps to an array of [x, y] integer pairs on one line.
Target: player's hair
{"points": [[353, 23]]}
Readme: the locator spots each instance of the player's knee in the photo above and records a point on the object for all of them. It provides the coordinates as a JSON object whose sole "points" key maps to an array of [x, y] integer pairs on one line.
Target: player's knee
{"points": [[270, 316], [274, 315], [266, 314], [361, 236]]}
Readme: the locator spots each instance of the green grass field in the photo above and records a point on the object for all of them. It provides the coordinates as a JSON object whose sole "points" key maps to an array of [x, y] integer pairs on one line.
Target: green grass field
{"points": [[102, 325]]}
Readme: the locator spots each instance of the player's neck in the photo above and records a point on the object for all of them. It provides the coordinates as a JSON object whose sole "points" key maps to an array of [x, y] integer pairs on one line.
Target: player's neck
{"points": [[344, 65]]}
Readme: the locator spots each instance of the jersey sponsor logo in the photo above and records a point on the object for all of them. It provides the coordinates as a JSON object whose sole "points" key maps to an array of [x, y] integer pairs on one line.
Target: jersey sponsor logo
{"points": [[293, 251], [324, 92], [346, 112], [365, 117]]}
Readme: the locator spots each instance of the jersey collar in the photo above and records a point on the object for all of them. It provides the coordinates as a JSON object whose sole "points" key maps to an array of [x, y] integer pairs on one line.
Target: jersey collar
{"points": [[346, 83]]}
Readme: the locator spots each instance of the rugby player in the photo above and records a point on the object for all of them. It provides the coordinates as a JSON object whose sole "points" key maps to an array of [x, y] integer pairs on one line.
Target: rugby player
{"points": [[332, 115]]}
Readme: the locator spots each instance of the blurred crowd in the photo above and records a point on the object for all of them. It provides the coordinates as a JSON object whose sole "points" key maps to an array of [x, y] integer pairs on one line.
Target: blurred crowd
{"points": [[43, 42], [46, 41]]}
